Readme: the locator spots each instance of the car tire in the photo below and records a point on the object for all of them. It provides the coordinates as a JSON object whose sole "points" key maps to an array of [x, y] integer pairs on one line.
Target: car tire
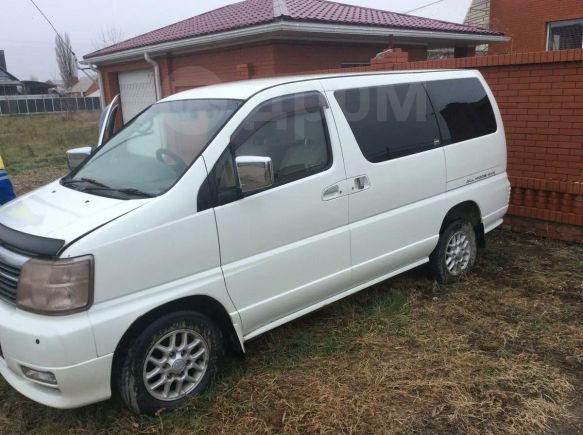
{"points": [[455, 254], [174, 358]]}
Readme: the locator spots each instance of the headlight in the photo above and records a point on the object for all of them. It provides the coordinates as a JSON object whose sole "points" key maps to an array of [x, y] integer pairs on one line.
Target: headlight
{"points": [[56, 287]]}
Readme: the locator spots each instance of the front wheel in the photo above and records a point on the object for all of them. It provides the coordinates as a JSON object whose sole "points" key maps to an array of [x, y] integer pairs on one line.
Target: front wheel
{"points": [[175, 357], [455, 254]]}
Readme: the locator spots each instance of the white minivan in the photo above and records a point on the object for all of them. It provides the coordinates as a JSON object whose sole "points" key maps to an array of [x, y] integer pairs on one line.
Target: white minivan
{"points": [[222, 212]]}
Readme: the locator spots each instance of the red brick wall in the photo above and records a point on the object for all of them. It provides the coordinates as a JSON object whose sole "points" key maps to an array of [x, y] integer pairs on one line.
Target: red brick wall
{"points": [[542, 107], [525, 21], [218, 66], [296, 58], [541, 99], [181, 72], [186, 71]]}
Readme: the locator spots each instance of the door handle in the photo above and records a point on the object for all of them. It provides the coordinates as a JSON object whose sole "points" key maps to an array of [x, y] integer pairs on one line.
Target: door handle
{"points": [[332, 192], [361, 183]]}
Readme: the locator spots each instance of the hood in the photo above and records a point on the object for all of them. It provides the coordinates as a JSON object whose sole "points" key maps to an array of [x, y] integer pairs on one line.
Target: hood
{"points": [[57, 212]]}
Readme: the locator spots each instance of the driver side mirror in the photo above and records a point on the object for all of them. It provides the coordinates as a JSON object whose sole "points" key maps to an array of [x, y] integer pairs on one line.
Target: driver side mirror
{"points": [[255, 173], [76, 156]]}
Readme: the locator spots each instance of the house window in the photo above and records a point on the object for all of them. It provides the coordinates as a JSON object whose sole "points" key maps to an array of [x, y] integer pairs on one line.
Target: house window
{"points": [[564, 35], [354, 64]]}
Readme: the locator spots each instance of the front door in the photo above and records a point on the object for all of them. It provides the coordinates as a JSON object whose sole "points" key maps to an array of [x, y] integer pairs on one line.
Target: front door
{"points": [[285, 248]]}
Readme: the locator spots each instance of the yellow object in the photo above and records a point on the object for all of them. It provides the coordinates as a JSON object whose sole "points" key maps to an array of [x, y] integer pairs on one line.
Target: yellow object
{"points": [[1, 163]]}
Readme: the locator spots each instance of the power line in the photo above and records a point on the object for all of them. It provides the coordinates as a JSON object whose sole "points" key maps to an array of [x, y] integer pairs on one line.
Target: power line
{"points": [[55, 29], [420, 7], [62, 40]]}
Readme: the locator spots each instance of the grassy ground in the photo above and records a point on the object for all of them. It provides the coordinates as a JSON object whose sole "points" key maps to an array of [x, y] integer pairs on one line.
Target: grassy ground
{"points": [[33, 148], [501, 352]]}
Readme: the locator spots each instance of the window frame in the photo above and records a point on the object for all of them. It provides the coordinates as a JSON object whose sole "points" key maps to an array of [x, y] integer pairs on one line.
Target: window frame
{"points": [[209, 195], [442, 142], [431, 106], [446, 143], [564, 22], [354, 64]]}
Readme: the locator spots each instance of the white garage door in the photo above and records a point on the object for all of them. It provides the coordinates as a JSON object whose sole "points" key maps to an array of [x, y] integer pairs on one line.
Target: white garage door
{"points": [[137, 91]]}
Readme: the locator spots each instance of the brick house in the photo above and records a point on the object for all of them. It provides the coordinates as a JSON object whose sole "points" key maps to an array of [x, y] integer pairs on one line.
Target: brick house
{"points": [[537, 25], [83, 87], [259, 38], [532, 25]]}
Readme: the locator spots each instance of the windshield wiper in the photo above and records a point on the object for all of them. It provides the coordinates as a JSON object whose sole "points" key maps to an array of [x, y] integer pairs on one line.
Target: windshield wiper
{"points": [[125, 191], [98, 185], [136, 192], [86, 180]]}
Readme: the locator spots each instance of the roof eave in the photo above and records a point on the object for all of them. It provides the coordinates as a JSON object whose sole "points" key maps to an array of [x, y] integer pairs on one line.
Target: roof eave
{"points": [[14, 78], [285, 26]]}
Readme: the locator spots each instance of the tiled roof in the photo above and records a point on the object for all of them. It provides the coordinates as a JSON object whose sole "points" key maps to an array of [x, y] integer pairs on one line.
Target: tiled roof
{"points": [[254, 12]]}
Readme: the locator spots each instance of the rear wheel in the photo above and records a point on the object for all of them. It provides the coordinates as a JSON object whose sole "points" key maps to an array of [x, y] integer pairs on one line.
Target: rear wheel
{"points": [[455, 254], [175, 357]]}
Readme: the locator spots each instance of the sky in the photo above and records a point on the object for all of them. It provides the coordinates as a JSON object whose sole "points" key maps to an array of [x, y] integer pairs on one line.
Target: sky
{"points": [[28, 40]]}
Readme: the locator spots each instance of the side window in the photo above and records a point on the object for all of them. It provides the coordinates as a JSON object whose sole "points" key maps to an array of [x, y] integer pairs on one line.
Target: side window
{"points": [[463, 109], [290, 130], [297, 145], [390, 122]]}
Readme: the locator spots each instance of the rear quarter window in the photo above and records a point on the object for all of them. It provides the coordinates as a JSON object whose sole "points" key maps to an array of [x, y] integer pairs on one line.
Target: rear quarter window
{"points": [[463, 109], [390, 122]]}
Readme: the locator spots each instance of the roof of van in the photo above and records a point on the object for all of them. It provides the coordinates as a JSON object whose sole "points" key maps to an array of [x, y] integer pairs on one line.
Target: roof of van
{"points": [[243, 90]]}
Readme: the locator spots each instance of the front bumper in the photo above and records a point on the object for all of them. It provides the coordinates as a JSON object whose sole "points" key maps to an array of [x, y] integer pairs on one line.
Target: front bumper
{"points": [[78, 385], [64, 346]]}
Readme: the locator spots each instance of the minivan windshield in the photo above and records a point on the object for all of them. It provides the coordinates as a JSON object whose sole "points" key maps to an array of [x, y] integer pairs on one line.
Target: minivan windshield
{"points": [[154, 150]]}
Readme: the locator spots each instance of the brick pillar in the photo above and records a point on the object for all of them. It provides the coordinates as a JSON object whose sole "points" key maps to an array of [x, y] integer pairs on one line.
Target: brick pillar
{"points": [[166, 76], [244, 71], [389, 59], [464, 52], [416, 54], [110, 85]]}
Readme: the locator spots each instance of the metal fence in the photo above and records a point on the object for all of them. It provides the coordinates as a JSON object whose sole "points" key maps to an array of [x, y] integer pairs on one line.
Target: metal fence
{"points": [[41, 104]]}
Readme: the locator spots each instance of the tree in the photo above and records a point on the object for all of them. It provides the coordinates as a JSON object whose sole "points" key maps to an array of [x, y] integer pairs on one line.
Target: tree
{"points": [[108, 36], [66, 60]]}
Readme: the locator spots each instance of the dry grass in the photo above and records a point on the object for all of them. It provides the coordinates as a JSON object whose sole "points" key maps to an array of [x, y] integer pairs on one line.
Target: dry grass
{"points": [[498, 353], [33, 148], [501, 352]]}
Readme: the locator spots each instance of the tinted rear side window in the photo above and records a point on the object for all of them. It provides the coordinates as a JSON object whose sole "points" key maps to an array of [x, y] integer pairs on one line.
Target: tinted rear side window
{"points": [[463, 109], [390, 121]]}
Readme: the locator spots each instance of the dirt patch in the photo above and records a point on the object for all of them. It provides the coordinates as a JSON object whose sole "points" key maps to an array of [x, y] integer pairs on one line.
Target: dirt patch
{"points": [[28, 180]]}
